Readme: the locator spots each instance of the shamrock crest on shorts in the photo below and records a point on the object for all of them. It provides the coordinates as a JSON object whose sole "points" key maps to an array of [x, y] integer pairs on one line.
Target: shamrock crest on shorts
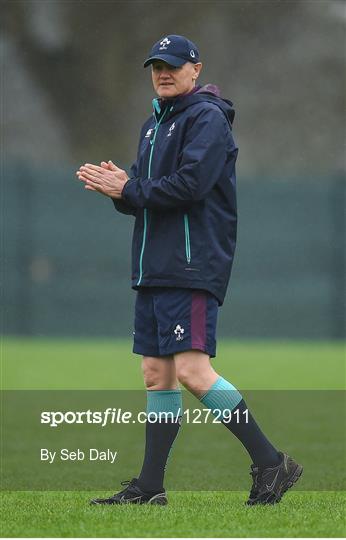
{"points": [[179, 332]]}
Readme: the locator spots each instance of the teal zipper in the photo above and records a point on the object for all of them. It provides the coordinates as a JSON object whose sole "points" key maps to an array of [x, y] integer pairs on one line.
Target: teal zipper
{"points": [[143, 246], [187, 239], [152, 142]]}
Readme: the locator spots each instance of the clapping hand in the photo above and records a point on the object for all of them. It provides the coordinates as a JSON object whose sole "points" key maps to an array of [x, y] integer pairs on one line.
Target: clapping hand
{"points": [[107, 179]]}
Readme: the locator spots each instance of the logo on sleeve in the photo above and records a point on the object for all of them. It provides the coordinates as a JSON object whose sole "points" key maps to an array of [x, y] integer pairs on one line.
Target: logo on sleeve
{"points": [[171, 130]]}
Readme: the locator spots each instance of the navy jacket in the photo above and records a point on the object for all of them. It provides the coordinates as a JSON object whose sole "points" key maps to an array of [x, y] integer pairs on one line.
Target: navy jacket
{"points": [[182, 191]]}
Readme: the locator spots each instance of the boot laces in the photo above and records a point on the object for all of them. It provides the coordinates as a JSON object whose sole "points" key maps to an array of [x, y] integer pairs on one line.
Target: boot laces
{"points": [[126, 484]]}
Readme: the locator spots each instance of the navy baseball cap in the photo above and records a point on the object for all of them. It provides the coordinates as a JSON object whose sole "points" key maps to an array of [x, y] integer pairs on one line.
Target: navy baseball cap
{"points": [[174, 50]]}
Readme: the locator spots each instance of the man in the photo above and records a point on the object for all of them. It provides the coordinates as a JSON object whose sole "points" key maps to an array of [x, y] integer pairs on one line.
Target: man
{"points": [[181, 191]]}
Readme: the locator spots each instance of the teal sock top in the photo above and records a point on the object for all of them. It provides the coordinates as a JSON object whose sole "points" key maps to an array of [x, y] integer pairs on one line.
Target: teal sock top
{"points": [[222, 395], [164, 401]]}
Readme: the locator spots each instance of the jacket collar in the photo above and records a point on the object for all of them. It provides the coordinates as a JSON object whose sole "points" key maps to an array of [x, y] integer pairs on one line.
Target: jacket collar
{"points": [[163, 106]]}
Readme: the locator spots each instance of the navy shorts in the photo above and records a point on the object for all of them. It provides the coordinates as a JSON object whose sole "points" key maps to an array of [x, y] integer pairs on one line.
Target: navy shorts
{"points": [[172, 320]]}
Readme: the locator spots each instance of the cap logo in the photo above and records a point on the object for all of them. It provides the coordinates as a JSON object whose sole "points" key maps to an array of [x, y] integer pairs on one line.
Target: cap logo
{"points": [[164, 44], [192, 53]]}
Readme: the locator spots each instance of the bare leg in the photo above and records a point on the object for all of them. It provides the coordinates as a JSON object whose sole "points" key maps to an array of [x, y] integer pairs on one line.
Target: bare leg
{"points": [[195, 372], [159, 373]]}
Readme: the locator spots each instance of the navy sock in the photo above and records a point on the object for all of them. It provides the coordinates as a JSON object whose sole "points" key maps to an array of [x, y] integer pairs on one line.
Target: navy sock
{"points": [[260, 449], [160, 436], [225, 397]]}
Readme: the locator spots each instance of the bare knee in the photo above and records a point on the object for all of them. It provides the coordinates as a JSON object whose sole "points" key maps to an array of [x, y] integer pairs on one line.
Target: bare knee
{"points": [[194, 371], [159, 373], [151, 372], [185, 374]]}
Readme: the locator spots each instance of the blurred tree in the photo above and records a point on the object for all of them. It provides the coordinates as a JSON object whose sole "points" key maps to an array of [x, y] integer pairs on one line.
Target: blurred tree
{"points": [[280, 61]]}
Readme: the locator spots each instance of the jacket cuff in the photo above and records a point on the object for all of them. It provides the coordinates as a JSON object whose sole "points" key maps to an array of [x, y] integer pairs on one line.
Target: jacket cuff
{"points": [[127, 190]]}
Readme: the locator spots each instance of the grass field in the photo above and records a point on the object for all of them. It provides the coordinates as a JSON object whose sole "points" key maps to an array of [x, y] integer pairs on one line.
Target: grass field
{"points": [[98, 364], [206, 514]]}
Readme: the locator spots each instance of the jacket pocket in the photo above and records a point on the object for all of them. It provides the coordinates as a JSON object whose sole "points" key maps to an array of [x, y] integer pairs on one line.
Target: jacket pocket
{"points": [[187, 239]]}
